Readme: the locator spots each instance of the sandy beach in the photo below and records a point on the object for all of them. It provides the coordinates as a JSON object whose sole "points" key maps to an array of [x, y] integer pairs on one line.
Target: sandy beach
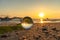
{"points": [[39, 31]]}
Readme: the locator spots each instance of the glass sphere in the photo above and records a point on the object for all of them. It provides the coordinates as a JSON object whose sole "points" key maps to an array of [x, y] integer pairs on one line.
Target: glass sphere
{"points": [[27, 23]]}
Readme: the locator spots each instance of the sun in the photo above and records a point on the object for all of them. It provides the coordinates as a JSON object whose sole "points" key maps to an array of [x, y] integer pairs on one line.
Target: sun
{"points": [[41, 14]]}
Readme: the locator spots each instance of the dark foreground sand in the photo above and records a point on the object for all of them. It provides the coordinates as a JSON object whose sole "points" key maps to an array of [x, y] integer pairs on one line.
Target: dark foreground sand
{"points": [[44, 31]]}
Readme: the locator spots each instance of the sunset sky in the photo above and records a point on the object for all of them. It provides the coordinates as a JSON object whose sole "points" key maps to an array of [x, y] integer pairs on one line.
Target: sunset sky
{"points": [[32, 8]]}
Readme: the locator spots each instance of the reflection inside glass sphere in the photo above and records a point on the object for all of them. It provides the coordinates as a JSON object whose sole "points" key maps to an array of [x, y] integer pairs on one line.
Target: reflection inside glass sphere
{"points": [[26, 25]]}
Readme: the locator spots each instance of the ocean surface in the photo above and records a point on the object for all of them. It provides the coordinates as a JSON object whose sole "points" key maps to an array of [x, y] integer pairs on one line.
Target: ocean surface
{"points": [[33, 21], [47, 22]]}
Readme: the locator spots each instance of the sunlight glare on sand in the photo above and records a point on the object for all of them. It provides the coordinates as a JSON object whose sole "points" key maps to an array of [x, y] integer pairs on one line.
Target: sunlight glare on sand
{"points": [[41, 20]]}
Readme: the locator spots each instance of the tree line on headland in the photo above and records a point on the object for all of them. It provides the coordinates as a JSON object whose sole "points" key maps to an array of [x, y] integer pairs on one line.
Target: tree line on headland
{"points": [[7, 18]]}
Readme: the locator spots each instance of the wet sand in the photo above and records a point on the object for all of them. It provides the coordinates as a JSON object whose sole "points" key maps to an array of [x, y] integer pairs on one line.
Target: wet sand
{"points": [[39, 31]]}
